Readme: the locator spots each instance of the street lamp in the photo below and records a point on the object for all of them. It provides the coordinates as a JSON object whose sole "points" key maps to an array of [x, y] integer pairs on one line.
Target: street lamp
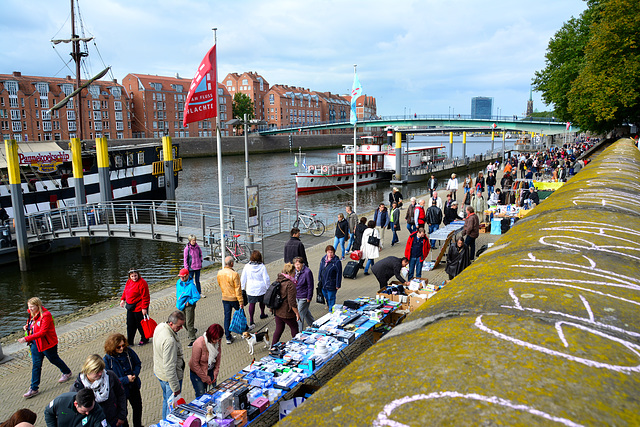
{"points": [[247, 179]]}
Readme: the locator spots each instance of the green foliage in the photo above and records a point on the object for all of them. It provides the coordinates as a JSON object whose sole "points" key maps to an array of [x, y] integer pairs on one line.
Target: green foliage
{"points": [[592, 73], [242, 105], [545, 114]]}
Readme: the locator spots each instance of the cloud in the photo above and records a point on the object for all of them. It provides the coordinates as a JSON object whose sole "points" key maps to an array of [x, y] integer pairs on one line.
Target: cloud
{"points": [[425, 55]]}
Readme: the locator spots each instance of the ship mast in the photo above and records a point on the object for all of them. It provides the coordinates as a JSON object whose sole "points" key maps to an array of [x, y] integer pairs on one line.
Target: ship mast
{"points": [[77, 55]]}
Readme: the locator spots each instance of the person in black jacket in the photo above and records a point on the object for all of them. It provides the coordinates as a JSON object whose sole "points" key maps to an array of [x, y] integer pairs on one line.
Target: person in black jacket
{"points": [[294, 247], [434, 218], [126, 364], [74, 410], [389, 267], [457, 258], [395, 196], [357, 240], [451, 213], [107, 389], [342, 234], [433, 184]]}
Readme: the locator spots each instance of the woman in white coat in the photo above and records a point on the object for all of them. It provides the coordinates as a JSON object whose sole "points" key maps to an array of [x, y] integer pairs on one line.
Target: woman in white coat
{"points": [[255, 282], [369, 251], [452, 186]]}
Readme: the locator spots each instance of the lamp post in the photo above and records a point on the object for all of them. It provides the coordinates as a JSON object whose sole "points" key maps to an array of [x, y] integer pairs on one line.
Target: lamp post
{"points": [[247, 179]]}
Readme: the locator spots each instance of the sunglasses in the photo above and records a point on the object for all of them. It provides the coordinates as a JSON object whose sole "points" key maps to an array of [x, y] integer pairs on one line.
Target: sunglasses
{"points": [[121, 346]]}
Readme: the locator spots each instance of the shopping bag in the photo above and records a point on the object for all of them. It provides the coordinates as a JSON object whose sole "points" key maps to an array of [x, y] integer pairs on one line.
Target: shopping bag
{"points": [[148, 326], [174, 401], [320, 295], [238, 322]]}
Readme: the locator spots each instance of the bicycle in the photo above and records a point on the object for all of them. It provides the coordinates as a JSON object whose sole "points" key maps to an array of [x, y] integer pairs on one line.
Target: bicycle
{"points": [[239, 251], [313, 225]]}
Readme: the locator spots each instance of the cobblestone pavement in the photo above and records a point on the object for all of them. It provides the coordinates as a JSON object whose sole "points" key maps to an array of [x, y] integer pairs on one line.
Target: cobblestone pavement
{"points": [[87, 336]]}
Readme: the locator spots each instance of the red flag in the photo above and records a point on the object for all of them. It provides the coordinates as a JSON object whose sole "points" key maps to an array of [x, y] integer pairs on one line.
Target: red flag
{"points": [[202, 99], [568, 125]]}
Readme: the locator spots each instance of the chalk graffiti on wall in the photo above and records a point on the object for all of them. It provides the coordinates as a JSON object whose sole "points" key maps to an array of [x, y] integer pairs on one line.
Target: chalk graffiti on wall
{"points": [[384, 419]]}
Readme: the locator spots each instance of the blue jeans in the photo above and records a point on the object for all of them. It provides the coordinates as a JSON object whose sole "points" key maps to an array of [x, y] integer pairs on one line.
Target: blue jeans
{"points": [[228, 307], [166, 393], [411, 227], [339, 241], [394, 239], [351, 239], [414, 264], [330, 297], [195, 275], [432, 228], [368, 264], [198, 385], [490, 189], [38, 356]]}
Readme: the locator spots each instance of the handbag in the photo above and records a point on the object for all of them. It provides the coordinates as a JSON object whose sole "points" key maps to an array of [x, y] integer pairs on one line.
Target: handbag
{"points": [[148, 326], [245, 298], [238, 322], [320, 295], [373, 240], [129, 306]]}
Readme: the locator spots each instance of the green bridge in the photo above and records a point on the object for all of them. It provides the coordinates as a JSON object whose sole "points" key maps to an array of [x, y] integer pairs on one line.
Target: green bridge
{"points": [[442, 122], [543, 329]]}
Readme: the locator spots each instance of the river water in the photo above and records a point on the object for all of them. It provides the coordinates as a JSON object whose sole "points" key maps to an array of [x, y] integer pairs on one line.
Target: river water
{"points": [[67, 282]]}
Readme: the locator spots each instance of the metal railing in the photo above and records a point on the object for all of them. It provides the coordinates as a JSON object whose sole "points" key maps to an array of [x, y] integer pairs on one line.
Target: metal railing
{"points": [[171, 221]]}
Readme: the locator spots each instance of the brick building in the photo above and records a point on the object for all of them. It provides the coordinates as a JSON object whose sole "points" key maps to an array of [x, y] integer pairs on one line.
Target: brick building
{"points": [[158, 107], [25, 102], [365, 107], [251, 84]]}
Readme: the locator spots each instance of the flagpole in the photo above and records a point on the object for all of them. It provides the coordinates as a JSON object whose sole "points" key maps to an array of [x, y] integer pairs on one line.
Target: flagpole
{"points": [[355, 156], [219, 155]]}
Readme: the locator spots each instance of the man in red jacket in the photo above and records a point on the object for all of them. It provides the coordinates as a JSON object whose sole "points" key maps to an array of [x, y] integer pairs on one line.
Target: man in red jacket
{"points": [[417, 249]]}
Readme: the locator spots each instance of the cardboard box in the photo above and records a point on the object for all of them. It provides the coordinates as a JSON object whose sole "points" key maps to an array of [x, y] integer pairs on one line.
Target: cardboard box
{"points": [[240, 415]]}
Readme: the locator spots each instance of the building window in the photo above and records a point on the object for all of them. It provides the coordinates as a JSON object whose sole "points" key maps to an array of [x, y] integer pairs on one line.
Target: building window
{"points": [[13, 102], [116, 92], [119, 126], [96, 125], [15, 114], [117, 105], [104, 105], [46, 126], [118, 115], [245, 82], [120, 135], [12, 87], [96, 115], [46, 115], [72, 127], [96, 105], [42, 88], [94, 90]]}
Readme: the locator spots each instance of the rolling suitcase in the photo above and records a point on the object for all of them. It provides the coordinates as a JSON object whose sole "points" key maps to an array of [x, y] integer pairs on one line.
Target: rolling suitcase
{"points": [[351, 270]]}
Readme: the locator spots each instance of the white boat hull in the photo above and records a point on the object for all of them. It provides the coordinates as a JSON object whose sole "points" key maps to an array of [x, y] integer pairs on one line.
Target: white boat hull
{"points": [[308, 182]]}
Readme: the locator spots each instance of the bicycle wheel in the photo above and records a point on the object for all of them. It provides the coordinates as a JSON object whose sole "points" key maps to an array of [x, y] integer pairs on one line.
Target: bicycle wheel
{"points": [[316, 228], [244, 253], [296, 223], [217, 254]]}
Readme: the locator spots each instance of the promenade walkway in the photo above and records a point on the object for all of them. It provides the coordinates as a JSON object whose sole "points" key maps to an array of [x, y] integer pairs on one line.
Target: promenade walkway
{"points": [[87, 336]]}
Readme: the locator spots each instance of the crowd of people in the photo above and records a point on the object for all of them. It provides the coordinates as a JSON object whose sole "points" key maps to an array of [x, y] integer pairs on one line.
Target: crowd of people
{"points": [[104, 385]]}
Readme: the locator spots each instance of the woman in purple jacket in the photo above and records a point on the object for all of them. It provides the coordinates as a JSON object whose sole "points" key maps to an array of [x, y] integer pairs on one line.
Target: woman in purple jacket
{"points": [[304, 292], [193, 261]]}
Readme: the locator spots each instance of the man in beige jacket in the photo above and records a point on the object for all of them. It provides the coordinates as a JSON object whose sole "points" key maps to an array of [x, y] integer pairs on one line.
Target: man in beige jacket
{"points": [[229, 282], [168, 360]]}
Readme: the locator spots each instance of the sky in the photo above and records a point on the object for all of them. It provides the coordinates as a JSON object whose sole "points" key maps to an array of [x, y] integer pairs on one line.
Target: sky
{"points": [[414, 57]]}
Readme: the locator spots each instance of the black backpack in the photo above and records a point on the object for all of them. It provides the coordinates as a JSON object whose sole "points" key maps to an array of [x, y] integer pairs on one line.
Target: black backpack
{"points": [[272, 297]]}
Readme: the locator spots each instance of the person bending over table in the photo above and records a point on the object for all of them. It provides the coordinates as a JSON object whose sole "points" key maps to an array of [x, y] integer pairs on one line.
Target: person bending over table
{"points": [[389, 267]]}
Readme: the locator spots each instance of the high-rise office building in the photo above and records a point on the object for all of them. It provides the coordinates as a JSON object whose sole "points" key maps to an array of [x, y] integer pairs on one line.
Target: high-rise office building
{"points": [[481, 107]]}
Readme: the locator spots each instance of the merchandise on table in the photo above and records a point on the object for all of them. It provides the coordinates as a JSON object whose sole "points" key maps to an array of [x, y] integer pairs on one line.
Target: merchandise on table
{"points": [[241, 399]]}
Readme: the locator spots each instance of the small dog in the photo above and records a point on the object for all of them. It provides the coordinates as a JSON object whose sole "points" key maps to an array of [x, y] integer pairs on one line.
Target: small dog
{"points": [[252, 339]]}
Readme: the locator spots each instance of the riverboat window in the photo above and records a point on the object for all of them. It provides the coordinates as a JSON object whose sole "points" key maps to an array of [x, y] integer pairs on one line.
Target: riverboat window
{"points": [[129, 159], [118, 161], [161, 181], [339, 178], [141, 158]]}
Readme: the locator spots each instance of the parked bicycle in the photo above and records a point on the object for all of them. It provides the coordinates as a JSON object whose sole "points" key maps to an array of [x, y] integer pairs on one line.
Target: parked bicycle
{"points": [[238, 250], [311, 224]]}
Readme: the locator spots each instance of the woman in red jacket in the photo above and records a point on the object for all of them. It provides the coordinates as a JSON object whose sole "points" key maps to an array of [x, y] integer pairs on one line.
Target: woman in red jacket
{"points": [[42, 337], [135, 298]]}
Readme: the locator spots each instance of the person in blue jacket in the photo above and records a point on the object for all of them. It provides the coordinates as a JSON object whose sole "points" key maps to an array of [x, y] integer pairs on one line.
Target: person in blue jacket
{"points": [[187, 296], [125, 363], [330, 275]]}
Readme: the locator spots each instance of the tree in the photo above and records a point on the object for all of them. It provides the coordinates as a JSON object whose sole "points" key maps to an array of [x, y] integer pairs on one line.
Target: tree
{"points": [[592, 71], [606, 92], [242, 105]]}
